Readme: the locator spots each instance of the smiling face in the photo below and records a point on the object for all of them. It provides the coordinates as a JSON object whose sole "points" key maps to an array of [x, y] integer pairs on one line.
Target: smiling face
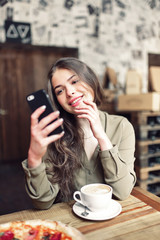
{"points": [[70, 90]]}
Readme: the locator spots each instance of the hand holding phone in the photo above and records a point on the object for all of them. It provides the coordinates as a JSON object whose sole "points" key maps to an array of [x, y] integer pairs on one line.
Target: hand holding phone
{"points": [[38, 99]]}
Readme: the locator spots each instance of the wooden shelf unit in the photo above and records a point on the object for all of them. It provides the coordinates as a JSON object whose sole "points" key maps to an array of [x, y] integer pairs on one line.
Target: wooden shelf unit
{"points": [[147, 165]]}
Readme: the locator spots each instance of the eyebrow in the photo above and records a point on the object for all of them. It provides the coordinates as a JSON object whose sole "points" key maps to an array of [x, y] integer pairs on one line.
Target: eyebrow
{"points": [[67, 81]]}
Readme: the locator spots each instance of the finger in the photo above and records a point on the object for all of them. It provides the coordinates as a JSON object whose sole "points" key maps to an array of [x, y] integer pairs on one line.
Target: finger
{"points": [[92, 104], [88, 117], [88, 105], [84, 106], [48, 119], [53, 138], [89, 110], [51, 127], [36, 114]]}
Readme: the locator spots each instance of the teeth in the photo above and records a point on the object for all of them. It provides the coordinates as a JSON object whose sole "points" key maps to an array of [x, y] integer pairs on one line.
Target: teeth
{"points": [[76, 100]]}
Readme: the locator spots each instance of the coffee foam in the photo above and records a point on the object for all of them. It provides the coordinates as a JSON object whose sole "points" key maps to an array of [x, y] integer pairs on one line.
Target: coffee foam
{"points": [[98, 189]]}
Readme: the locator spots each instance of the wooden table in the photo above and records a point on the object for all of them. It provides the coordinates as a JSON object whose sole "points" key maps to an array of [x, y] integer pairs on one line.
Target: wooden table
{"points": [[139, 219]]}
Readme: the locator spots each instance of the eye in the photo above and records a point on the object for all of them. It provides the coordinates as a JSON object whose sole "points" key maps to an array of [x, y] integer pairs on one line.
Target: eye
{"points": [[75, 81], [59, 92]]}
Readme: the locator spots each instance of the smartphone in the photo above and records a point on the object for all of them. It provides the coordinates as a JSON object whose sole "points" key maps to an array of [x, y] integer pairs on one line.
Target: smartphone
{"points": [[38, 99]]}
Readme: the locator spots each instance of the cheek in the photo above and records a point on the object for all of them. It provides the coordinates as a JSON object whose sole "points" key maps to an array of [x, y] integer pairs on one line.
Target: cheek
{"points": [[90, 94], [60, 99], [90, 97], [88, 91]]}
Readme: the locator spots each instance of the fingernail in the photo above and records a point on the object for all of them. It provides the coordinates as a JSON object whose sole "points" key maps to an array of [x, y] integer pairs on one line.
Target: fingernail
{"points": [[44, 106]]}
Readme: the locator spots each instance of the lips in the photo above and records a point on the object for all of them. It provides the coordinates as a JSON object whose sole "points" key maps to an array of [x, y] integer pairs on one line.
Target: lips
{"points": [[75, 101]]}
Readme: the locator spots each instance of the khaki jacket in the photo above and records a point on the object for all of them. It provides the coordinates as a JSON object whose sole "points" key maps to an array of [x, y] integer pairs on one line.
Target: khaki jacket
{"points": [[114, 167]]}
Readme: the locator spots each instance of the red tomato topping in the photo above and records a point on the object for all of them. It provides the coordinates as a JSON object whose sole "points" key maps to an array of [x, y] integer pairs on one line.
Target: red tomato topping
{"points": [[8, 235], [56, 236], [46, 234], [32, 231]]}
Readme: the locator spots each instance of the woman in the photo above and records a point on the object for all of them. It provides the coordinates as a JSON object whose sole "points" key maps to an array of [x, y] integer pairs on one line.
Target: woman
{"points": [[94, 146]]}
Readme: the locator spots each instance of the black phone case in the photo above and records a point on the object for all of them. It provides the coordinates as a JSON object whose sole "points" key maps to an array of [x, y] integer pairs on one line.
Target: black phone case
{"points": [[38, 99]]}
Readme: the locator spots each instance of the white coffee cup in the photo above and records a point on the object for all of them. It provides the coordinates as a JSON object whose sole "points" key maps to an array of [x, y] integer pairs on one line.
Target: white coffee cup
{"points": [[96, 196]]}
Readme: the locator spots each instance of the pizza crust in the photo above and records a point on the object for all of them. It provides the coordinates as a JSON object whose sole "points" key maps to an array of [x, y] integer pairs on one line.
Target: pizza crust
{"points": [[73, 232]]}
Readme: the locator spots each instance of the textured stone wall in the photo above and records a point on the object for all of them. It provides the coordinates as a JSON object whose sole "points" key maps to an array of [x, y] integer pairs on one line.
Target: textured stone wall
{"points": [[114, 33]]}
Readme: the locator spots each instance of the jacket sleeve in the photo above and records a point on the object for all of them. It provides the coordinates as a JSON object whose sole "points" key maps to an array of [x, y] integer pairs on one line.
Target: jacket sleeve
{"points": [[38, 187], [118, 162]]}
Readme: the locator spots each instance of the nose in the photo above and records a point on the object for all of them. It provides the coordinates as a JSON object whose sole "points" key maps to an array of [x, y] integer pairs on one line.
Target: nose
{"points": [[70, 91]]}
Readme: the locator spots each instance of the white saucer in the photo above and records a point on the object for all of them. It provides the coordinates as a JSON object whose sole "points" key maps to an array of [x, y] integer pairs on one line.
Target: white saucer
{"points": [[114, 210]]}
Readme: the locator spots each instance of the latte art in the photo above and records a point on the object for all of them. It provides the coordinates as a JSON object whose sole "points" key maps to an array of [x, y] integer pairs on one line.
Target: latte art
{"points": [[96, 189]]}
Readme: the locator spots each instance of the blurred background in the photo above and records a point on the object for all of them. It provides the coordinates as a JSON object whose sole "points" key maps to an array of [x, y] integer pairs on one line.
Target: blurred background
{"points": [[114, 37]]}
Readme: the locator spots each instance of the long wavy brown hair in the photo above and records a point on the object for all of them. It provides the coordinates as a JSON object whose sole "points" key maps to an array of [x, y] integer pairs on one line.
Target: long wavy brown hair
{"points": [[65, 155]]}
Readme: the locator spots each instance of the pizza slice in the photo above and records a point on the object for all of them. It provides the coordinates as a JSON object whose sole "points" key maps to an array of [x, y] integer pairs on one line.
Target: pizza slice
{"points": [[11, 230], [31, 230], [38, 230], [48, 231]]}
